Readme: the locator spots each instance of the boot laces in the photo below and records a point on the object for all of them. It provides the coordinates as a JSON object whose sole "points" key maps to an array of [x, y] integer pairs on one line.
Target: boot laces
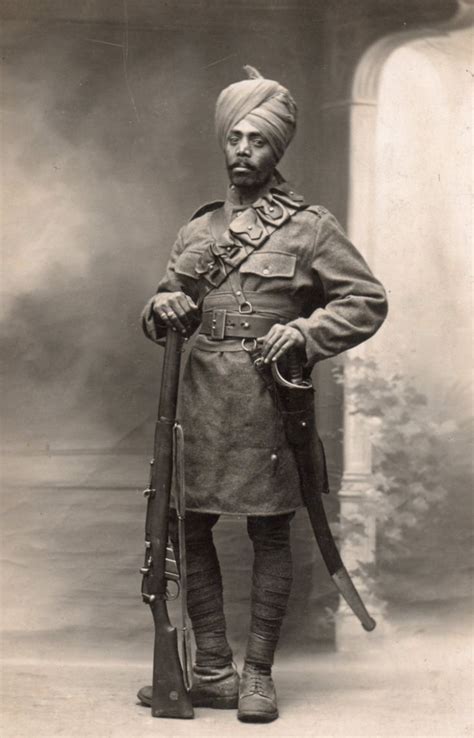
{"points": [[256, 684]]}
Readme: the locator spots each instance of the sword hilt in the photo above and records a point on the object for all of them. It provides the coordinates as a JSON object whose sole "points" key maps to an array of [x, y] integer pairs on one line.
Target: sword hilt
{"points": [[295, 372], [295, 369]]}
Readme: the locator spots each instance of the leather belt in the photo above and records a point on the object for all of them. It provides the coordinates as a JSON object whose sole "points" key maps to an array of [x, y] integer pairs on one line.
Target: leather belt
{"points": [[219, 324], [281, 306]]}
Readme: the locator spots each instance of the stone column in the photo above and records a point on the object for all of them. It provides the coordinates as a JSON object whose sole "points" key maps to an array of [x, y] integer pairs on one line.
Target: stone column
{"points": [[358, 37]]}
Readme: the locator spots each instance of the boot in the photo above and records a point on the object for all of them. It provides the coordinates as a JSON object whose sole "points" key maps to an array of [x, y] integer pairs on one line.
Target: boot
{"points": [[257, 696], [216, 687], [271, 584]]}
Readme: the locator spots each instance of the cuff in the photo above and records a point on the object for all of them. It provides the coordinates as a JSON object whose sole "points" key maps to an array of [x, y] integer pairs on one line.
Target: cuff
{"points": [[150, 324], [312, 350]]}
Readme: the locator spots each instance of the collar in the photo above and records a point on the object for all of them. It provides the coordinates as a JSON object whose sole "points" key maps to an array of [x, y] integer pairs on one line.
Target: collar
{"points": [[279, 187]]}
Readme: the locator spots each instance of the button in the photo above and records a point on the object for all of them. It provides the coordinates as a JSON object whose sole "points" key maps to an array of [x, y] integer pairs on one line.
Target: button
{"points": [[245, 325], [238, 292], [271, 209], [291, 192], [250, 228], [266, 270]]}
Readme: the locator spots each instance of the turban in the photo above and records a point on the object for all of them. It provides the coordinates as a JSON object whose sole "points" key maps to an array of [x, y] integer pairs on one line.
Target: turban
{"points": [[263, 103]]}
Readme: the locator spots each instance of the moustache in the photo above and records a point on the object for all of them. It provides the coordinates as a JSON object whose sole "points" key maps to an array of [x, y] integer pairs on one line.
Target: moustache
{"points": [[242, 165]]}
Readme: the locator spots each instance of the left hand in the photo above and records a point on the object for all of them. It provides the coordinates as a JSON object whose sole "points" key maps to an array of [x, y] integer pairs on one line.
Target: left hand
{"points": [[280, 339]]}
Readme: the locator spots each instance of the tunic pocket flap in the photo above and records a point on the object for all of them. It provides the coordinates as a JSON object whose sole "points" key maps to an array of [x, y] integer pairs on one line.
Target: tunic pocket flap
{"points": [[270, 264]]}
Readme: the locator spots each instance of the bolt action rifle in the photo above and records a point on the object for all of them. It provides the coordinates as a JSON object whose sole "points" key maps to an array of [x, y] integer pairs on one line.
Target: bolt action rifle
{"points": [[171, 679]]}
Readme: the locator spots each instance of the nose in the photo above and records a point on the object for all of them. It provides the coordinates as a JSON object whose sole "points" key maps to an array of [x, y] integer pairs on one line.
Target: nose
{"points": [[243, 148]]}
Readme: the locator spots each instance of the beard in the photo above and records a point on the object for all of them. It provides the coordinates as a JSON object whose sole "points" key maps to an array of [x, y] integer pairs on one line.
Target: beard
{"points": [[247, 177]]}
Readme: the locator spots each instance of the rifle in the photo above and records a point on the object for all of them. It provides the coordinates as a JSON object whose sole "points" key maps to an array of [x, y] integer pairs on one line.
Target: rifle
{"points": [[295, 399], [171, 680]]}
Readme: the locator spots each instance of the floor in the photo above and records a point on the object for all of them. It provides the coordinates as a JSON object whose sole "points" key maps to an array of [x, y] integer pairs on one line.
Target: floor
{"points": [[70, 558], [412, 680]]}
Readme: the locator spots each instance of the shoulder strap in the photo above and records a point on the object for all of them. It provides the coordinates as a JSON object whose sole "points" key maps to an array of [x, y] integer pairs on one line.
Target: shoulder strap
{"points": [[317, 210], [208, 207]]}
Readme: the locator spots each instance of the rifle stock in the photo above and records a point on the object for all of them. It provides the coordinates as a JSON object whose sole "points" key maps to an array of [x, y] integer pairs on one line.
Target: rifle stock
{"points": [[170, 696]]}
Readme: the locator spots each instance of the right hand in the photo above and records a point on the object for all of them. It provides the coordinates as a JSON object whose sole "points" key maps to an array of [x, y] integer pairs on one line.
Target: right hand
{"points": [[175, 310]]}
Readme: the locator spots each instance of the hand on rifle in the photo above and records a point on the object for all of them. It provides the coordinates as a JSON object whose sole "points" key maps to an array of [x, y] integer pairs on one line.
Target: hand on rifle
{"points": [[280, 339], [174, 310]]}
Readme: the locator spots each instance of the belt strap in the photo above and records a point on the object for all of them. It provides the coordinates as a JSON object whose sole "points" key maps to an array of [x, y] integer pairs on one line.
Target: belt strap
{"points": [[217, 225], [221, 323], [272, 305]]}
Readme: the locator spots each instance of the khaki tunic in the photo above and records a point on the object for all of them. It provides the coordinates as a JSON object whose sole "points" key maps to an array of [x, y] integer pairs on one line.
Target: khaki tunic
{"points": [[306, 272]]}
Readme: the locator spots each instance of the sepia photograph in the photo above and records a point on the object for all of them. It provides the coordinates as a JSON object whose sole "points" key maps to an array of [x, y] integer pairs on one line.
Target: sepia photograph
{"points": [[236, 407]]}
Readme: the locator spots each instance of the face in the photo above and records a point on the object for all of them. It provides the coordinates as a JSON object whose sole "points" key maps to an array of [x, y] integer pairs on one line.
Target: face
{"points": [[249, 157]]}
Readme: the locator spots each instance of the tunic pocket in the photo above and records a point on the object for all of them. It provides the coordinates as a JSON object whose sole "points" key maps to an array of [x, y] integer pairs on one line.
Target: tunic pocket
{"points": [[270, 264]]}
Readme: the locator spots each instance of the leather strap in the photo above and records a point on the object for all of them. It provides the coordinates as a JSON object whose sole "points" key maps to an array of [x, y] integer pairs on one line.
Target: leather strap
{"points": [[220, 324], [276, 305], [236, 286], [233, 243]]}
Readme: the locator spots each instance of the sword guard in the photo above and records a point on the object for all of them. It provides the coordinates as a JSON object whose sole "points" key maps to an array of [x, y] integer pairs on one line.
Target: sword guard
{"points": [[303, 384]]}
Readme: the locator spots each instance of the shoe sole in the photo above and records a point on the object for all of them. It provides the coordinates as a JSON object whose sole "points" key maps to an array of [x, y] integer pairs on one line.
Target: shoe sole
{"points": [[257, 717], [217, 703]]}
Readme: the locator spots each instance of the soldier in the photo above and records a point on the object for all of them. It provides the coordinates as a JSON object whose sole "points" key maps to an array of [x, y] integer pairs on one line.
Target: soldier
{"points": [[263, 269]]}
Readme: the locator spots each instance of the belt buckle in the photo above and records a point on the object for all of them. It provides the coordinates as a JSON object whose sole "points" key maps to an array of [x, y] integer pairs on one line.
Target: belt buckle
{"points": [[218, 320]]}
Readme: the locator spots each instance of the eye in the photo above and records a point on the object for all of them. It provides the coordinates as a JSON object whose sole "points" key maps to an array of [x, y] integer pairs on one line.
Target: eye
{"points": [[258, 142], [233, 140]]}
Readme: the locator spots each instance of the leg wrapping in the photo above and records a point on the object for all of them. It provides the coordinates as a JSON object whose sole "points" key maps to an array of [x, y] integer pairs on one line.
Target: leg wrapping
{"points": [[271, 586], [205, 593]]}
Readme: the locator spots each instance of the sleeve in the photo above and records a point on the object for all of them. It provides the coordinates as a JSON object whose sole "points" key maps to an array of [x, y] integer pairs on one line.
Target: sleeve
{"points": [[354, 303], [170, 282]]}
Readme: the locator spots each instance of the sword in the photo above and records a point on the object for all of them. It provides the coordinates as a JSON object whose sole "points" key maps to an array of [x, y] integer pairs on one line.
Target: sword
{"points": [[296, 400]]}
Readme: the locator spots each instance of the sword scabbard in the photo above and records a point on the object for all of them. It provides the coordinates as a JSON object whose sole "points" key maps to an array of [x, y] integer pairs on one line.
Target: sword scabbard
{"points": [[296, 401]]}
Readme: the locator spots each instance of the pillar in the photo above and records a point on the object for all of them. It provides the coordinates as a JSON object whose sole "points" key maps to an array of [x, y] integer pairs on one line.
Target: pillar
{"points": [[358, 37]]}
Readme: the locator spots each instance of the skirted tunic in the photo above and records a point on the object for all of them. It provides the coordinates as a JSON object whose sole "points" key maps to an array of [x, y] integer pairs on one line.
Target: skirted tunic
{"points": [[303, 271]]}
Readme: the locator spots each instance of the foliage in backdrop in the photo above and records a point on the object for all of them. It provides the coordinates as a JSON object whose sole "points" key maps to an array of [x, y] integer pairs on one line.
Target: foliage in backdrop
{"points": [[422, 484]]}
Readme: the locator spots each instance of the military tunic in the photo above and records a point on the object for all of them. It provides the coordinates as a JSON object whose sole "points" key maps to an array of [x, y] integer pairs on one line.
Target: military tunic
{"points": [[305, 272]]}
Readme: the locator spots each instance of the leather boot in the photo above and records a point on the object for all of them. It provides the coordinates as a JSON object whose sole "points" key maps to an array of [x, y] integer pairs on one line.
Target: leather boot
{"points": [[257, 696], [216, 687]]}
